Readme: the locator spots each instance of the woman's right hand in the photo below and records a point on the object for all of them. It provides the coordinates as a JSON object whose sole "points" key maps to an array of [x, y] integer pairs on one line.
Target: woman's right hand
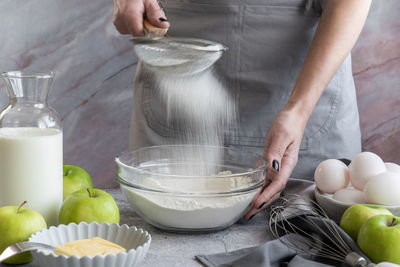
{"points": [[129, 15]]}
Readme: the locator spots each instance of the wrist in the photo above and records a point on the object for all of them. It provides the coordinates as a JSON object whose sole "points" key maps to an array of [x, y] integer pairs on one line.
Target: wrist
{"points": [[298, 109], [303, 99]]}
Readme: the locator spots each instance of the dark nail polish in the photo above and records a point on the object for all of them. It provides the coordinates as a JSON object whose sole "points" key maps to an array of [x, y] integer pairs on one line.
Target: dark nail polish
{"points": [[345, 161], [275, 165], [251, 217], [160, 4], [162, 19], [262, 205]]}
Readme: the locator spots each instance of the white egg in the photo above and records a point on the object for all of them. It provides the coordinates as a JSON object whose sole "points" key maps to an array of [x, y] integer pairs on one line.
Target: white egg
{"points": [[392, 167], [331, 175], [349, 195], [364, 166], [383, 189]]}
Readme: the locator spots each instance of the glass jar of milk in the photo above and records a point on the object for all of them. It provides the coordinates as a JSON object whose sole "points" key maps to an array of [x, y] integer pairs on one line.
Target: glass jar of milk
{"points": [[31, 146]]}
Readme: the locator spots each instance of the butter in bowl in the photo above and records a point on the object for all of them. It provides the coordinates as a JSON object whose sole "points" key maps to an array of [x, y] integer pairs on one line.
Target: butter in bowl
{"points": [[90, 245]]}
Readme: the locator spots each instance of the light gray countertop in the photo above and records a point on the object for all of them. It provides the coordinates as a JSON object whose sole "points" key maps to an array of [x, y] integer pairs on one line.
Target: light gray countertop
{"points": [[169, 249]]}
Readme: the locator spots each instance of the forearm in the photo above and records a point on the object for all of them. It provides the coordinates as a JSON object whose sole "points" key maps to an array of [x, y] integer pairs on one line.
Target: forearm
{"points": [[339, 27]]}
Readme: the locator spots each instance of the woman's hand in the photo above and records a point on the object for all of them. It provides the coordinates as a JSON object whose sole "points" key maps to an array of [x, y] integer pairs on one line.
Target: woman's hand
{"points": [[281, 151], [129, 14]]}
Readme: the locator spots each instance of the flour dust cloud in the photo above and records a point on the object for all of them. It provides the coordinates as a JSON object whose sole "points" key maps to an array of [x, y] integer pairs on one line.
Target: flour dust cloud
{"points": [[206, 110]]}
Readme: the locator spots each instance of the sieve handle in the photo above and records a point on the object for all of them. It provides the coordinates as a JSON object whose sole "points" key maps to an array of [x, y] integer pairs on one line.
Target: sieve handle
{"points": [[153, 30]]}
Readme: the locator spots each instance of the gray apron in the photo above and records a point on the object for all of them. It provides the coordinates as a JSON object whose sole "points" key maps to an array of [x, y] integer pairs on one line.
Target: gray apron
{"points": [[268, 41]]}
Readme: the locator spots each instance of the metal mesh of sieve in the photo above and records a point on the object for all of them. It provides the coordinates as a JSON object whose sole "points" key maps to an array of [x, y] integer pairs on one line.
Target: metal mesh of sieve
{"points": [[184, 56]]}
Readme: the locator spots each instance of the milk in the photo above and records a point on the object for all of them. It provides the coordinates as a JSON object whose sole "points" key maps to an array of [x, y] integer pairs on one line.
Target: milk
{"points": [[31, 170]]}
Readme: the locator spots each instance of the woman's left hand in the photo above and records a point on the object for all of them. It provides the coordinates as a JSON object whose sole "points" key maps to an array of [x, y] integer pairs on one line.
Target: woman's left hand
{"points": [[281, 151], [338, 29]]}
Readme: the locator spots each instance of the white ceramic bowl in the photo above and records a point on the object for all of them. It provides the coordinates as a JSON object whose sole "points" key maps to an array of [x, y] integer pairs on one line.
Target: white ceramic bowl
{"points": [[335, 209], [135, 241]]}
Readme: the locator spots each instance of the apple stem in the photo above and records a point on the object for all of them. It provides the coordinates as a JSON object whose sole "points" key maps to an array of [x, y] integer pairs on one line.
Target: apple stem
{"points": [[90, 193], [20, 206], [393, 223]]}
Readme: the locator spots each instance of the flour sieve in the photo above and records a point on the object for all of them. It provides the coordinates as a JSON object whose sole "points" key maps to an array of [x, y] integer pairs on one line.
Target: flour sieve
{"points": [[180, 56]]}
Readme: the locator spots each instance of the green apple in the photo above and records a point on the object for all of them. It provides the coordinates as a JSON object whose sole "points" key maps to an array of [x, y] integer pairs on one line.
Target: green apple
{"points": [[74, 179], [89, 205], [17, 225], [354, 216], [379, 238]]}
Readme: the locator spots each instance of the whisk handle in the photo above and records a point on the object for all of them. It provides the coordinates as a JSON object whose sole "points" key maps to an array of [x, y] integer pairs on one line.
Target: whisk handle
{"points": [[355, 260]]}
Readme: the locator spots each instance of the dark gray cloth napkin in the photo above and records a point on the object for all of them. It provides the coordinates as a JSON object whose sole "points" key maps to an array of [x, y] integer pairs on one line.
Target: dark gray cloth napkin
{"points": [[274, 253]]}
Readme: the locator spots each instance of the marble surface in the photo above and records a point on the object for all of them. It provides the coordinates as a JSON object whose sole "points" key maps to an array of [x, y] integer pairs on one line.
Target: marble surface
{"points": [[176, 250], [95, 68]]}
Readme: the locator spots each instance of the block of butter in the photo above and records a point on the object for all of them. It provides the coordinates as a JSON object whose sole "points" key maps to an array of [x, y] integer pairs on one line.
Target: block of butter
{"points": [[89, 247]]}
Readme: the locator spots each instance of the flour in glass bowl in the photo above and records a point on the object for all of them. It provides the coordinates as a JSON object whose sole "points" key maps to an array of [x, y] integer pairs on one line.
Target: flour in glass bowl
{"points": [[197, 212]]}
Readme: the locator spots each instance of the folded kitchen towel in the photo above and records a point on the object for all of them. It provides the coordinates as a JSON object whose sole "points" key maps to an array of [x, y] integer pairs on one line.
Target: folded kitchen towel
{"points": [[274, 253]]}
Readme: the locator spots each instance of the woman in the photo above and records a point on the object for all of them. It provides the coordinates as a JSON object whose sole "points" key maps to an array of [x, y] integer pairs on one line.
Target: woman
{"points": [[289, 67]]}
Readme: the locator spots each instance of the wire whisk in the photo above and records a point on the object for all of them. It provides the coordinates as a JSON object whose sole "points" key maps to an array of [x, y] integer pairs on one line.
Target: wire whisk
{"points": [[302, 225]]}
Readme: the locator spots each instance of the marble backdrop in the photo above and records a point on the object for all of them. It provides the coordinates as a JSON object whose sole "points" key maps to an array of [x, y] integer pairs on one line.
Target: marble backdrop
{"points": [[95, 67], [376, 70]]}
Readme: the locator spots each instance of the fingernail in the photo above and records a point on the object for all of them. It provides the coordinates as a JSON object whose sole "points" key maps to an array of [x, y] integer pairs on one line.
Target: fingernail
{"points": [[162, 19], [262, 205], [251, 217], [160, 4], [275, 165]]}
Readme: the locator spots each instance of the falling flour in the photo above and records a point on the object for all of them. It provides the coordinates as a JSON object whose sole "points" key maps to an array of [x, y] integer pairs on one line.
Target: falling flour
{"points": [[204, 110]]}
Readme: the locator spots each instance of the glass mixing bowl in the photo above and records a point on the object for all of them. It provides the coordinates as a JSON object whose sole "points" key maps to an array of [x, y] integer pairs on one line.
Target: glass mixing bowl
{"points": [[185, 188]]}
